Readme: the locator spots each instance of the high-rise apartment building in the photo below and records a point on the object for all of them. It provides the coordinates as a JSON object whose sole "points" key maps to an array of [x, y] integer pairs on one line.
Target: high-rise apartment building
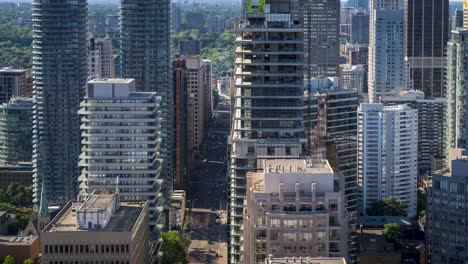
{"points": [[352, 77], [360, 28], [94, 59], [294, 208], [192, 88], [387, 154], [431, 115], [267, 103], [176, 16], [386, 48], [145, 45], [12, 83], [189, 47], [59, 72], [16, 131], [456, 120], [427, 31], [446, 211], [457, 19], [104, 45], [99, 229], [321, 36], [121, 142]]}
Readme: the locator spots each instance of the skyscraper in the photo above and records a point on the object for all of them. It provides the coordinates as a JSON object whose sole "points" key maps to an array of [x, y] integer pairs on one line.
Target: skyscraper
{"points": [[267, 100], [386, 48], [456, 119], [427, 28], [387, 154], [321, 36], [360, 28], [12, 83], [145, 44], [59, 72]]}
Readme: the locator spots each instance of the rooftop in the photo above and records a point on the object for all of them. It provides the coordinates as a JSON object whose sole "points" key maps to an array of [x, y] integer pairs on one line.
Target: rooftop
{"points": [[112, 80], [17, 240], [11, 70], [380, 221], [305, 260], [373, 241]]}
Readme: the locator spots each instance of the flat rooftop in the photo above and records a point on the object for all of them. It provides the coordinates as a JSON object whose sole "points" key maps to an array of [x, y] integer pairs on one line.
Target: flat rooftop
{"points": [[112, 80], [297, 165], [123, 219], [305, 260], [17, 240], [97, 203]]}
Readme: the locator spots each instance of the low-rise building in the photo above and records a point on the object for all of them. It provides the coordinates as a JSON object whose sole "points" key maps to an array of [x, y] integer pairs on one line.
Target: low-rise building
{"points": [[21, 173], [374, 248], [294, 208], [20, 248], [177, 209], [100, 229]]}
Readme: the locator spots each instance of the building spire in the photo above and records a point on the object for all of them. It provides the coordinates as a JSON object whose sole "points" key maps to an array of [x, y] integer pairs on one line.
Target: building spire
{"points": [[44, 204]]}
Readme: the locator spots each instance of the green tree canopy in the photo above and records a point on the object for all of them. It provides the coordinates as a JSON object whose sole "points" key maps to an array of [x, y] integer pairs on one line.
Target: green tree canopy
{"points": [[174, 248], [28, 261], [392, 231], [389, 206], [8, 260]]}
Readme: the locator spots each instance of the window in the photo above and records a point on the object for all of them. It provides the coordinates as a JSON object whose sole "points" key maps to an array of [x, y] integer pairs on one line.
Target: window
{"points": [[271, 151]]}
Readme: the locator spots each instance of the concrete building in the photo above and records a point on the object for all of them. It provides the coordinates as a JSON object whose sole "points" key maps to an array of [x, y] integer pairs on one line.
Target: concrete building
{"points": [[20, 248], [121, 143], [457, 19], [21, 173], [12, 83], [387, 154], [386, 48], [374, 248], [99, 229], [431, 115], [101, 62], [94, 59], [294, 208], [352, 77], [267, 101], [330, 123], [321, 36], [427, 31], [446, 211], [359, 56], [306, 260], [16, 122], [456, 119], [189, 47], [145, 48], [360, 28], [59, 73]]}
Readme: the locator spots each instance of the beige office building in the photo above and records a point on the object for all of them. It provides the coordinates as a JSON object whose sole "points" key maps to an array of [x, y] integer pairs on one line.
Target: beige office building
{"points": [[99, 230], [294, 208]]}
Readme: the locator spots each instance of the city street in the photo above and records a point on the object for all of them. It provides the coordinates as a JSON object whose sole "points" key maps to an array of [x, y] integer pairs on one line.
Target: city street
{"points": [[206, 221]]}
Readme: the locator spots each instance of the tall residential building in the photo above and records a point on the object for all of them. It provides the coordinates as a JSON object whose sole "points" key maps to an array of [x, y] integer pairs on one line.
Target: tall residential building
{"points": [[456, 120], [267, 103], [189, 47], [121, 141], [16, 121], [192, 88], [446, 211], [294, 208], [12, 83], [431, 115], [330, 122], [321, 36], [387, 154], [104, 45], [94, 59], [457, 19], [359, 4], [352, 77], [386, 48], [59, 72], [99, 229], [195, 20], [360, 28], [176, 16], [145, 45], [427, 28]]}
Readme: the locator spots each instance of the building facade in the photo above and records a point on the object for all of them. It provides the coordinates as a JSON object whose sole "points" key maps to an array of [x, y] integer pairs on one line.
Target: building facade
{"points": [[12, 83], [446, 211], [267, 101], [294, 208], [321, 36], [21, 173], [16, 121], [386, 48], [145, 49], [427, 32], [99, 229], [457, 19], [59, 73], [360, 28], [352, 77], [431, 115], [387, 154], [189, 47], [121, 142]]}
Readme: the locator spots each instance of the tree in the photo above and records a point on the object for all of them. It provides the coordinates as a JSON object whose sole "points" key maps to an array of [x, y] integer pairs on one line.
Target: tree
{"points": [[389, 206], [215, 93], [174, 248], [8, 260], [28, 261], [392, 232]]}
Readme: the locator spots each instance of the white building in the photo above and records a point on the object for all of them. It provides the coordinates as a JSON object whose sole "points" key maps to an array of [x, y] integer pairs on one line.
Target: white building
{"points": [[386, 48], [352, 77], [387, 154], [294, 208], [120, 142]]}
